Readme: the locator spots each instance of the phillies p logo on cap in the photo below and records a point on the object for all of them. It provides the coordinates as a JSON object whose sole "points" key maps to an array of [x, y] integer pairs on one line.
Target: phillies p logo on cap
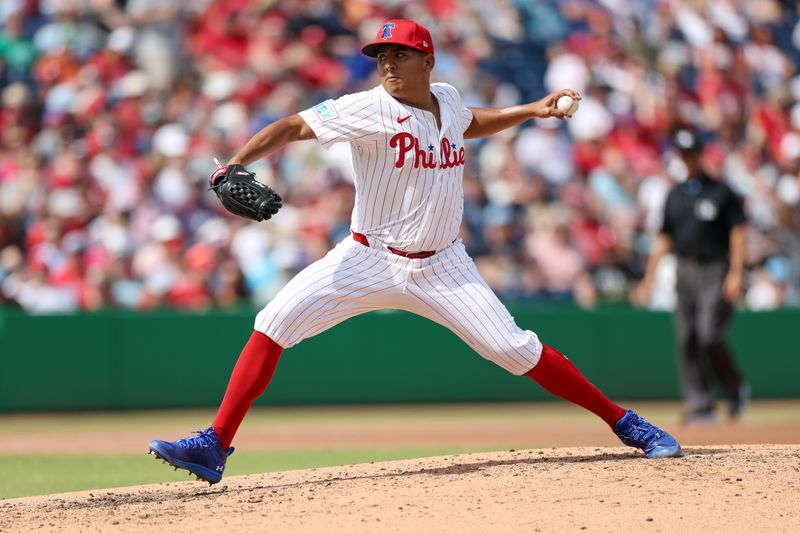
{"points": [[387, 31], [402, 33]]}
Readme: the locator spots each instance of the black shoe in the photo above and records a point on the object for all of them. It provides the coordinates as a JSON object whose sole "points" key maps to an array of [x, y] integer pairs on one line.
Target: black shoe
{"points": [[700, 417], [740, 401]]}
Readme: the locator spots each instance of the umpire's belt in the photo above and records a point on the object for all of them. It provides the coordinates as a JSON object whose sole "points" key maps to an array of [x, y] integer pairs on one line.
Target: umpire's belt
{"points": [[697, 260], [360, 237]]}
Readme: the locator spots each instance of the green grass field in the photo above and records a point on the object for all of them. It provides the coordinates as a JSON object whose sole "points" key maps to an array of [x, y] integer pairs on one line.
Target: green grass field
{"points": [[309, 438], [29, 475]]}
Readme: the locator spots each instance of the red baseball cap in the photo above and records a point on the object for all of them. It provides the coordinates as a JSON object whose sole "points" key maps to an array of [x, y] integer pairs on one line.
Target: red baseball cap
{"points": [[401, 32]]}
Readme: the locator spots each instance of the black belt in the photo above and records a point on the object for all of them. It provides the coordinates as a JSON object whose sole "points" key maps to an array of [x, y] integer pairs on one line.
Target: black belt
{"points": [[700, 260]]}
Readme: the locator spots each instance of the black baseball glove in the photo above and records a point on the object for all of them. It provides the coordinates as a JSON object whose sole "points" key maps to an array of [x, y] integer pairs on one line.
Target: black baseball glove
{"points": [[242, 195]]}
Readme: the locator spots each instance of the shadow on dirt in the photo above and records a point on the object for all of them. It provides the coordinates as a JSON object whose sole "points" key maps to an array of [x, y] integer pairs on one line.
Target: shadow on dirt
{"points": [[184, 493], [687, 452]]}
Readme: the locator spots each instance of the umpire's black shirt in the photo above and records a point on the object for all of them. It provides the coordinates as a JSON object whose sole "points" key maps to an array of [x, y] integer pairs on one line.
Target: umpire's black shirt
{"points": [[699, 215]]}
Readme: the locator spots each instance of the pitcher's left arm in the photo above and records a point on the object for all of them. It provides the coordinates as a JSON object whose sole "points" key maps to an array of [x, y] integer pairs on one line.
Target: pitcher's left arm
{"points": [[488, 121]]}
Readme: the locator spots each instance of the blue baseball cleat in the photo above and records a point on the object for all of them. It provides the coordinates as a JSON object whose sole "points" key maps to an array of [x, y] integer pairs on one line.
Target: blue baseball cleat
{"points": [[201, 455], [633, 430]]}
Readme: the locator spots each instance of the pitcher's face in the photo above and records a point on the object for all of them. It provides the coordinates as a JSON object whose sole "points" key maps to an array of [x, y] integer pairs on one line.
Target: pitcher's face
{"points": [[404, 72]]}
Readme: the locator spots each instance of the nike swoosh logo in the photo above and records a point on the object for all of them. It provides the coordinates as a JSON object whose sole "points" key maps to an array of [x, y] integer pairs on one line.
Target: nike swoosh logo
{"points": [[401, 120]]}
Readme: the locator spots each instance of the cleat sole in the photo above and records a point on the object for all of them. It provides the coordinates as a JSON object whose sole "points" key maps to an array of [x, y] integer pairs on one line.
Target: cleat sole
{"points": [[201, 472], [665, 452]]}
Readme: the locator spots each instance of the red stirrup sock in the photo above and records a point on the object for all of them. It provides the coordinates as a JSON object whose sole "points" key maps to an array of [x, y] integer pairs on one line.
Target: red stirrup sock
{"points": [[556, 374], [249, 380]]}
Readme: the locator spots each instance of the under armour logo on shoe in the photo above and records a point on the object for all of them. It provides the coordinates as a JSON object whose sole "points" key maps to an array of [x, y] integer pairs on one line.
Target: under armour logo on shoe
{"points": [[220, 468]]}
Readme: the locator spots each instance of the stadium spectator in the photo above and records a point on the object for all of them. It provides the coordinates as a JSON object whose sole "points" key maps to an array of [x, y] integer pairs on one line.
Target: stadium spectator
{"points": [[113, 110]]}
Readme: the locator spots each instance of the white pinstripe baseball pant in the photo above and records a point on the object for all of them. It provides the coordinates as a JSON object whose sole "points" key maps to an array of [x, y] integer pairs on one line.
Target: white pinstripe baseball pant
{"points": [[446, 288]]}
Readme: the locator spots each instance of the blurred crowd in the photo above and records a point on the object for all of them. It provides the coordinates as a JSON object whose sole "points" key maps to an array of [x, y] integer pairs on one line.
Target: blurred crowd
{"points": [[111, 112]]}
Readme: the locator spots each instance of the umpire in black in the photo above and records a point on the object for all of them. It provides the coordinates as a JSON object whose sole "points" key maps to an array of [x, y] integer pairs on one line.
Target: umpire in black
{"points": [[704, 226]]}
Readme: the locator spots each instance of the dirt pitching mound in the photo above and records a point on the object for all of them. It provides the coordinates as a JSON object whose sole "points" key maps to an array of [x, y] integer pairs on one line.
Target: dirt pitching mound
{"points": [[712, 488]]}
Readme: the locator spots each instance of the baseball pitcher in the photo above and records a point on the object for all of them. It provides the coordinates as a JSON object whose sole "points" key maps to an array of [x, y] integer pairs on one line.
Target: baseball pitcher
{"points": [[406, 137]]}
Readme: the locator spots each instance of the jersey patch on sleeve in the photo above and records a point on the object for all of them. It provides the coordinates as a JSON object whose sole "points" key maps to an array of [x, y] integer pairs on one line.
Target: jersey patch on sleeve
{"points": [[326, 111]]}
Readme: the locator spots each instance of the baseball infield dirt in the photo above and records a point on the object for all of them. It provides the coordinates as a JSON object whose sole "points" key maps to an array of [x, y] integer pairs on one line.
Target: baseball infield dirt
{"points": [[713, 488]]}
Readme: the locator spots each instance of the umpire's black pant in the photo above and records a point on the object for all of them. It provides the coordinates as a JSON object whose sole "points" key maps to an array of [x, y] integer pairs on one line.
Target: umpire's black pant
{"points": [[702, 321]]}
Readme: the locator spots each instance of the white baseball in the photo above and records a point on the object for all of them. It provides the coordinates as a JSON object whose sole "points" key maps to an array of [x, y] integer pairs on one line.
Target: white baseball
{"points": [[567, 105]]}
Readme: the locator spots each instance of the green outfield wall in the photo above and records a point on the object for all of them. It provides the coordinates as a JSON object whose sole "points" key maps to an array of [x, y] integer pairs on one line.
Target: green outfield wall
{"points": [[125, 360]]}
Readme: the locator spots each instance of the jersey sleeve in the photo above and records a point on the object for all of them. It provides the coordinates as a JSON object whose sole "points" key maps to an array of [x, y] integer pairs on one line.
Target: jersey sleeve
{"points": [[463, 115], [668, 223], [351, 118], [466, 117], [734, 210]]}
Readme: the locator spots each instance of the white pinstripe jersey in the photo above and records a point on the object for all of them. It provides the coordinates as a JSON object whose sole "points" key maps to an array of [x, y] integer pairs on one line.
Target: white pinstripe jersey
{"points": [[408, 172]]}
